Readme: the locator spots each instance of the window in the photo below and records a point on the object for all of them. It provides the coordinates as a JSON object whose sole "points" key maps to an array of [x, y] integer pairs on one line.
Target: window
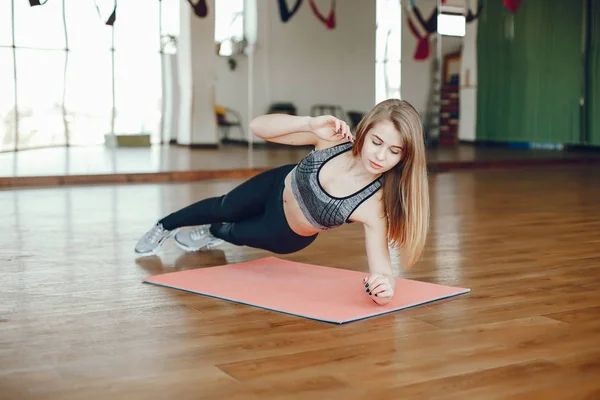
{"points": [[388, 50], [5, 24], [137, 29], [72, 85], [138, 93], [86, 26], [451, 25], [88, 96], [7, 100], [39, 27], [39, 95], [169, 22], [229, 26]]}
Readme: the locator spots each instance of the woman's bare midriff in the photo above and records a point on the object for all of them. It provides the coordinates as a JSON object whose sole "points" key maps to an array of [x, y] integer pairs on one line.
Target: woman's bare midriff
{"points": [[295, 218]]}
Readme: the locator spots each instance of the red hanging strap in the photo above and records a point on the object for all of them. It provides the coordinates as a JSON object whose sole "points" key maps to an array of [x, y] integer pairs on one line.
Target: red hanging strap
{"points": [[513, 5], [330, 20], [422, 51]]}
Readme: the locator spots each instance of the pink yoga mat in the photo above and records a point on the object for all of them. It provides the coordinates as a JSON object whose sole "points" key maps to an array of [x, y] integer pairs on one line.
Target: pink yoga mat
{"points": [[305, 290]]}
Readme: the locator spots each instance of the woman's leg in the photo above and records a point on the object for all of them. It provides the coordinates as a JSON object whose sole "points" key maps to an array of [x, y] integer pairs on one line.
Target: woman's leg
{"points": [[259, 233], [243, 202]]}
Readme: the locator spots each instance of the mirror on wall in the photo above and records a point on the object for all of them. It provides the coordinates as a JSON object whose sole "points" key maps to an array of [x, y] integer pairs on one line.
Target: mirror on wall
{"points": [[113, 99]]}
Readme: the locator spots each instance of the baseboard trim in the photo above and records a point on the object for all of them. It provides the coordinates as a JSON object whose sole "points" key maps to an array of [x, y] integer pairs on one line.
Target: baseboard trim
{"points": [[436, 167], [196, 146]]}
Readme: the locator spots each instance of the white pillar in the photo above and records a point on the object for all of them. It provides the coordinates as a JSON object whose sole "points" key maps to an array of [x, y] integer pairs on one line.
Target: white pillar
{"points": [[468, 85], [197, 76]]}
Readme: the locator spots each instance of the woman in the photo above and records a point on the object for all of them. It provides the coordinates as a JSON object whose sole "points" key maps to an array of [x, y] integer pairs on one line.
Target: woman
{"points": [[378, 179]]}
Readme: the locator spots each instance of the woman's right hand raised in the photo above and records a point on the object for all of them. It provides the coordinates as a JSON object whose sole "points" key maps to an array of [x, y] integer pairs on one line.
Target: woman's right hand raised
{"points": [[328, 127]]}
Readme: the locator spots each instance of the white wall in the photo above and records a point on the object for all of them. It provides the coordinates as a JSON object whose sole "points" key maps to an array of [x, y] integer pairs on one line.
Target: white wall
{"points": [[303, 62], [310, 64], [299, 61]]}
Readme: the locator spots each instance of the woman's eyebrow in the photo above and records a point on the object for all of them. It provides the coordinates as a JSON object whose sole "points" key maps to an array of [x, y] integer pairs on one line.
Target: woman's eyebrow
{"points": [[400, 147]]}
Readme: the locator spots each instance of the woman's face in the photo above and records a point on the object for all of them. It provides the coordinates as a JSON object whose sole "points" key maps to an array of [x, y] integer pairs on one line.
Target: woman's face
{"points": [[382, 148]]}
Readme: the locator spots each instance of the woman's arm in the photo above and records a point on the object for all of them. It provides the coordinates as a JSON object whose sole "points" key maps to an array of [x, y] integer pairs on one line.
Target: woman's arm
{"points": [[378, 254], [285, 129], [381, 283], [299, 131]]}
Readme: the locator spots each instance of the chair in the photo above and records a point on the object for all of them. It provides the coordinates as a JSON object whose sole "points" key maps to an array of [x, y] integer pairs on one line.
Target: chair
{"points": [[282, 108], [355, 118], [224, 122], [327, 109]]}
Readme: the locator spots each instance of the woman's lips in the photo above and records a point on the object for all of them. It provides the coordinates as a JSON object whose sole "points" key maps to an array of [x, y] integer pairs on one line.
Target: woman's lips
{"points": [[374, 165]]}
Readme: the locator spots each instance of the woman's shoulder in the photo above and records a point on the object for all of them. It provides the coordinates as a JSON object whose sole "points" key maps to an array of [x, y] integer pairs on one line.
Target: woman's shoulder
{"points": [[324, 145], [324, 150]]}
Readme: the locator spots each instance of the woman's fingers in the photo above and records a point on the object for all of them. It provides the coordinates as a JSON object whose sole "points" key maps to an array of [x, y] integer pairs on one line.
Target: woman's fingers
{"points": [[387, 293], [384, 287], [337, 124], [348, 133], [341, 129], [381, 299], [369, 281], [378, 288], [373, 283]]}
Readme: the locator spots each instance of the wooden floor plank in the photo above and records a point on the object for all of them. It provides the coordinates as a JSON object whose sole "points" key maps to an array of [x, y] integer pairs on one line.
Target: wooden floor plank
{"points": [[94, 165], [489, 383], [76, 321]]}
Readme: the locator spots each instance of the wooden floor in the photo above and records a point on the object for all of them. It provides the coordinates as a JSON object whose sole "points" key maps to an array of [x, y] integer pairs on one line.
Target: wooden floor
{"points": [[100, 165], [77, 323]]}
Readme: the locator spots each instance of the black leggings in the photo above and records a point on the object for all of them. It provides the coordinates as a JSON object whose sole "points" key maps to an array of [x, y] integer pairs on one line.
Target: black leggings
{"points": [[250, 215]]}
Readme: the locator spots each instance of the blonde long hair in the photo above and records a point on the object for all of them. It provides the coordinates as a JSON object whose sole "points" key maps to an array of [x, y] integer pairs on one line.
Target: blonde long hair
{"points": [[405, 187]]}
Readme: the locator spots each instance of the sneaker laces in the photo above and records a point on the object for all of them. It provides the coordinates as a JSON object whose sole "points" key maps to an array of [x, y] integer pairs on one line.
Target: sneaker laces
{"points": [[155, 233], [199, 233]]}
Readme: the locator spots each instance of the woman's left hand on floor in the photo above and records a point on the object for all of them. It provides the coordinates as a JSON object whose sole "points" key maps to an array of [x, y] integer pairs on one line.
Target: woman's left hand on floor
{"points": [[380, 287]]}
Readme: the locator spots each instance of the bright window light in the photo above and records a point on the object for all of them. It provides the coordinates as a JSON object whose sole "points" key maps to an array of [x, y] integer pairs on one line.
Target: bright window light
{"points": [[451, 25]]}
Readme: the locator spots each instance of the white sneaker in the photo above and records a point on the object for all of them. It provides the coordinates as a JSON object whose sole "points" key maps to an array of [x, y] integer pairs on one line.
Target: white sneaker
{"points": [[196, 239], [153, 240]]}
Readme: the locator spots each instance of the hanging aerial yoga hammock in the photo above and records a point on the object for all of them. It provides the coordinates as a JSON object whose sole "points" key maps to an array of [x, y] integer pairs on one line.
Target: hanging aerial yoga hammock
{"points": [[513, 5], [285, 12], [200, 8], [113, 16], [330, 20], [431, 24], [470, 17], [422, 51]]}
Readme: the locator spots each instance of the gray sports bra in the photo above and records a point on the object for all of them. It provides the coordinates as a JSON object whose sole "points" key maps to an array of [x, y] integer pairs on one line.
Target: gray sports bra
{"points": [[322, 210]]}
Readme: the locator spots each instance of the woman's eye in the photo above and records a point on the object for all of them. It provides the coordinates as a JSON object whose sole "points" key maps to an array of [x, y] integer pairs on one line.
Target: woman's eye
{"points": [[376, 144], [395, 152]]}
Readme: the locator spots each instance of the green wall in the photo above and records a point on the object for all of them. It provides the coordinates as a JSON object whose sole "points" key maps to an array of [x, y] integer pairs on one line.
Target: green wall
{"points": [[594, 78], [529, 86]]}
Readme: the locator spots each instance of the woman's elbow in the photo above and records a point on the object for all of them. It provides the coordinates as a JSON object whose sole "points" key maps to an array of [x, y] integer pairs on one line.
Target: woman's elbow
{"points": [[255, 127]]}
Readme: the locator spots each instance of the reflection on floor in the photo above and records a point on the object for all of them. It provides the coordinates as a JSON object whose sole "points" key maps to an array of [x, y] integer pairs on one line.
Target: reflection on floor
{"points": [[56, 166], [76, 321]]}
